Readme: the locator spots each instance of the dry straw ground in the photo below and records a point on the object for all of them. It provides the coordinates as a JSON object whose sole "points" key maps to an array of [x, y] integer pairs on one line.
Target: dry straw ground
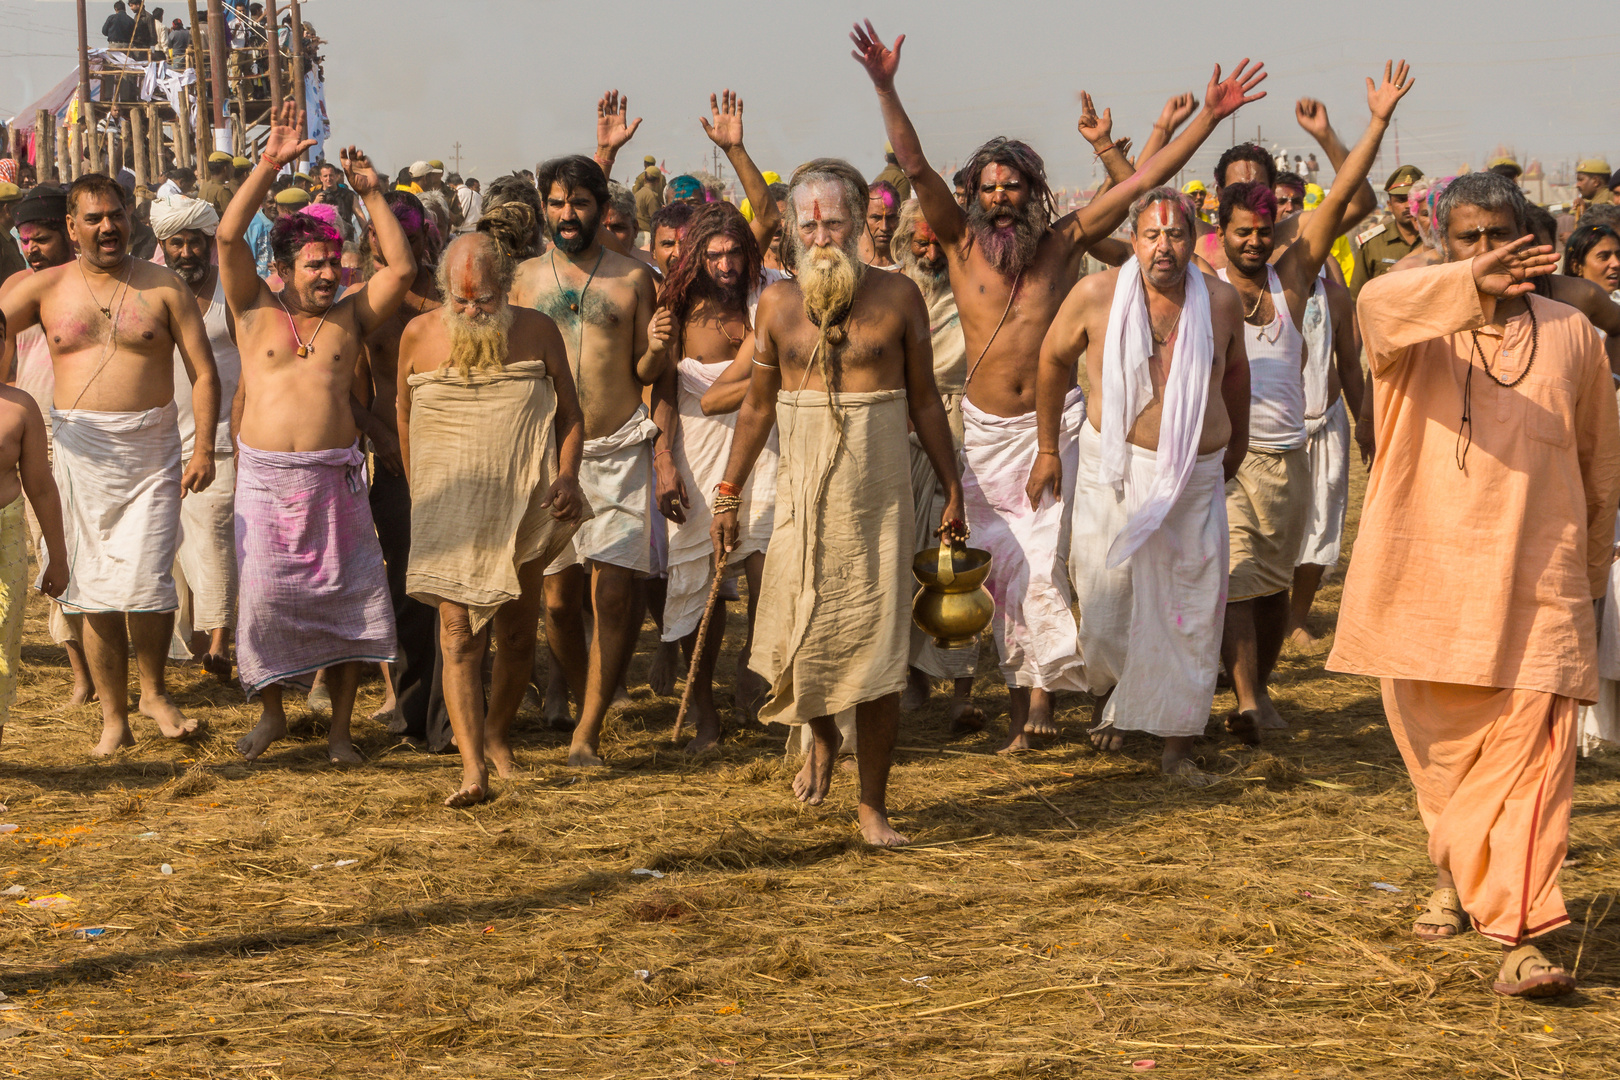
{"points": [[1063, 914]]}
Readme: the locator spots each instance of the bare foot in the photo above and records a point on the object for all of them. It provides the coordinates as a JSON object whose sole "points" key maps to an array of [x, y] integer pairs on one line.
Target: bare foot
{"points": [[964, 715], [585, 756], [876, 830], [170, 720], [1040, 721], [621, 698], [815, 778], [1266, 715], [748, 692], [1107, 738], [501, 754], [218, 666], [666, 665], [918, 689], [83, 693], [387, 714], [471, 794], [319, 701], [1186, 773], [272, 725], [1302, 638], [1244, 727], [342, 752], [555, 711], [115, 735], [707, 723]]}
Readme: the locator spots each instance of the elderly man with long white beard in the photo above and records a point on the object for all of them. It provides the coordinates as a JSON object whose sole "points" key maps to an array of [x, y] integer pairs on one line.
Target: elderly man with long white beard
{"points": [[1168, 425], [205, 565], [845, 357], [491, 435]]}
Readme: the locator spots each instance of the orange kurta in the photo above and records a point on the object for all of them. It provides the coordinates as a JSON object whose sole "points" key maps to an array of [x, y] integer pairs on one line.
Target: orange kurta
{"points": [[1482, 575]]}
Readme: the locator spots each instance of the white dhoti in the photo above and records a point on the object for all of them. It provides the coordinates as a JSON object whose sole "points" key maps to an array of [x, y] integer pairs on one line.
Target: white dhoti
{"points": [[615, 476], [205, 565], [928, 506], [35, 376], [1150, 628], [1599, 724], [700, 457], [119, 475], [1034, 628], [1327, 453]]}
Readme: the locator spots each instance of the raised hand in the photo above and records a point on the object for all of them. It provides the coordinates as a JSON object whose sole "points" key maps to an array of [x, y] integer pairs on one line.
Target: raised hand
{"points": [[879, 61], [1226, 96], [1313, 117], [1176, 112], [726, 129], [286, 139], [613, 126], [363, 177], [1098, 130], [1383, 98], [1506, 271]]}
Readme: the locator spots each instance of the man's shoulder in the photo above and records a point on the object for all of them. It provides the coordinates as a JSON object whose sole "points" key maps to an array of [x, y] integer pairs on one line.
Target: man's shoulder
{"points": [[1377, 231]]}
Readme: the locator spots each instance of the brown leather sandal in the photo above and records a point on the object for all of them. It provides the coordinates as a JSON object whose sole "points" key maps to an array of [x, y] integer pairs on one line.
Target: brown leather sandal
{"points": [[1551, 981], [1444, 913]]}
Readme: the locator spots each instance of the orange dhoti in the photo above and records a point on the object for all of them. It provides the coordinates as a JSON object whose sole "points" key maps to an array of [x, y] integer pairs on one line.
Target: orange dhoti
{"points": [[1494, 772]]}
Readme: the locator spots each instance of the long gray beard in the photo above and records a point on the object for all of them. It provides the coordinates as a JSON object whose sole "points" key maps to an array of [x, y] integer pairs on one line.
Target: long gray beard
{"points": [[933, 283], [828, 278], [478, 342], [1008, 250]]}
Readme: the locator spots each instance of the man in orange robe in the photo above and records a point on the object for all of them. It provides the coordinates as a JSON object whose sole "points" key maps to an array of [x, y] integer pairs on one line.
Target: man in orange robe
{"points": [[1486, 534]]}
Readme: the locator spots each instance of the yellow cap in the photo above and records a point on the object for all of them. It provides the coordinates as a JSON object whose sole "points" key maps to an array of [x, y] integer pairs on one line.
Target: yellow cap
{"points": [[218, 156], [436, 165], [771, 177], [9, 192], [1594, 165], [1505, 160], [305, 177], [1192, 186], [292, 197], [241, 163]]}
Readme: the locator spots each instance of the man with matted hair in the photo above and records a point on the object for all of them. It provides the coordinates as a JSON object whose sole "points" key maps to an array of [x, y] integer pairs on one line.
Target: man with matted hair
{"points": [[1486, 535], [1167, 425], [841, 362], [491, 432], [114, 323], [1011, 265]]}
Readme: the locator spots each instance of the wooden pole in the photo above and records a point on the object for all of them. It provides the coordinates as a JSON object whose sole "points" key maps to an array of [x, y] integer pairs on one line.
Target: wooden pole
{"points": [[75, 151], [273, 46], [153, 150], [239, 128], [218, 45], [141, 146], [299, 75], [87, 111], [183, 150], [44, 146], [204, 128]]}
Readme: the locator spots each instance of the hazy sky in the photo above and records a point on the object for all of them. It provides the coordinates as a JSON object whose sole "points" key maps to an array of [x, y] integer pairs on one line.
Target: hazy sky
{"points": [[515, 81]]}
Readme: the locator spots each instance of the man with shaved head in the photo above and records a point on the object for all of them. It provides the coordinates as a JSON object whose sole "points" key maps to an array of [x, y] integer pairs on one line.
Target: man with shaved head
{"points": [[491, 433], [1012, 261], [842, 361], [113, 323]]}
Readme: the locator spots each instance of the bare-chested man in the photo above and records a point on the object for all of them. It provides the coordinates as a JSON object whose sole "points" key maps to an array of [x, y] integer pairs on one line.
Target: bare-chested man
{"points": [[1011, 266], [1167, 425], [314, 592], [41, 220], [842, 361], [114, 323], [417, 715], [206, 562], [603, 304], [882, 217], [711, 295], [491, 432], [1268, 501]]}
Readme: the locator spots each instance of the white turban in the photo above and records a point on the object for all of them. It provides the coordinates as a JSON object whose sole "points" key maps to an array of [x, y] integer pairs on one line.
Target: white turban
{"points": [[176, 213]]}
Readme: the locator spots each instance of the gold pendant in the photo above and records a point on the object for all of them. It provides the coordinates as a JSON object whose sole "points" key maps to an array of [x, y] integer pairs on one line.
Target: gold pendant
{"points": [[573, 307], [303, 350]]}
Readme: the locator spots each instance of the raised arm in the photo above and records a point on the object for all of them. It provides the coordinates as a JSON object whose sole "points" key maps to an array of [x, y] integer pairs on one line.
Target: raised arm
{"points": [[1177, 111], [613, 129], [1099, 132], [939, 208], [238, 272], [725, 130], [1300, 264], [1312, 115], [1222, 98], [377, 300]]}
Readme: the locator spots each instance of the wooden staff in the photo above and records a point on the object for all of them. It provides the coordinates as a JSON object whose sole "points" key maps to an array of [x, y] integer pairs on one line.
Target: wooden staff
{"points": [[697, 647]]}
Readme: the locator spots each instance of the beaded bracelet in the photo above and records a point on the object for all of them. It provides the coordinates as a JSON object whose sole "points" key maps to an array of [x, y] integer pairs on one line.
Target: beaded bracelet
{"points": [[724, 504]]}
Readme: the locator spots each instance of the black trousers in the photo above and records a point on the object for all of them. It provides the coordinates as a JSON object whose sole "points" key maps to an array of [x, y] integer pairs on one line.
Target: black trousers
{"points": [[418, 676]]}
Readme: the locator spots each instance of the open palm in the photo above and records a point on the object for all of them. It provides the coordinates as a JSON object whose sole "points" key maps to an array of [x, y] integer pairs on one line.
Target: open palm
{"points": [[725, 129], [1506, 271], [879, 61], [1226, 96], [613, 126], [1382, 99], [285, 141], [362, 176]]}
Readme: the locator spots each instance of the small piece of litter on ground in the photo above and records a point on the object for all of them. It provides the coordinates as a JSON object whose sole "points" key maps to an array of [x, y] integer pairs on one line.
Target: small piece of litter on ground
{"points": [[147, 836], [334, 865], [1144, 1064], [649, 873], [918, 981], [166, 870], [643, 975], [1384, 886], [9, 829], [15, 890], [90, 932], [53, 900]]}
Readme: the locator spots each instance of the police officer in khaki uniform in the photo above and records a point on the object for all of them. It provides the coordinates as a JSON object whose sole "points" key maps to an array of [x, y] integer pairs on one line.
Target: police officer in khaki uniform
{"points": [[1384, 245], [213, 190], [1592, 181]]}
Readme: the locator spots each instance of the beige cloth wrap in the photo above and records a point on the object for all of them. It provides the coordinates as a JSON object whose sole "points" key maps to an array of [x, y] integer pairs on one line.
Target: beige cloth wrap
{"points": [[483, 458], [834, 621]]}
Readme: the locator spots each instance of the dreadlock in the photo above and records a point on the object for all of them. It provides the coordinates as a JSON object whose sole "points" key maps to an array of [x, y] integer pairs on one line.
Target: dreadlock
{"points": [[684, 286]]}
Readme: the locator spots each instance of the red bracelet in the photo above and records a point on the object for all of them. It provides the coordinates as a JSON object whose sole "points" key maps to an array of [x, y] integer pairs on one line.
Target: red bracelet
{"points": [[724, 488]]}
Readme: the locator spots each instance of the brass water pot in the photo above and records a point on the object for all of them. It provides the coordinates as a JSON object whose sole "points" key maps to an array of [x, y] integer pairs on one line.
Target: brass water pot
{"points": [[953, 605]]}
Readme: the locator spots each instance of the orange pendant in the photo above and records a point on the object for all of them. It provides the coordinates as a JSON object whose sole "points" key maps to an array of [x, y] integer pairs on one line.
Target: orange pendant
{"points": [[303, 350]]}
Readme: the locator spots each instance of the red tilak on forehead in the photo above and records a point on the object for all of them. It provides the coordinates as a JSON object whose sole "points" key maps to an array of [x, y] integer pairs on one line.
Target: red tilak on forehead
{"points": [[815, 209]]}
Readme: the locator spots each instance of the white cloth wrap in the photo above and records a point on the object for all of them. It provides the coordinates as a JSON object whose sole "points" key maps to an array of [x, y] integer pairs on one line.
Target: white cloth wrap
{"points": [[1033, 626], [1327, 454], [228, 362], [1150, 630], [1127, 389], [615, 475], [1318, 335], [700, 457], [205, 577], [119, 475], [1276, 375], [173, 214], [1600, 724]]}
